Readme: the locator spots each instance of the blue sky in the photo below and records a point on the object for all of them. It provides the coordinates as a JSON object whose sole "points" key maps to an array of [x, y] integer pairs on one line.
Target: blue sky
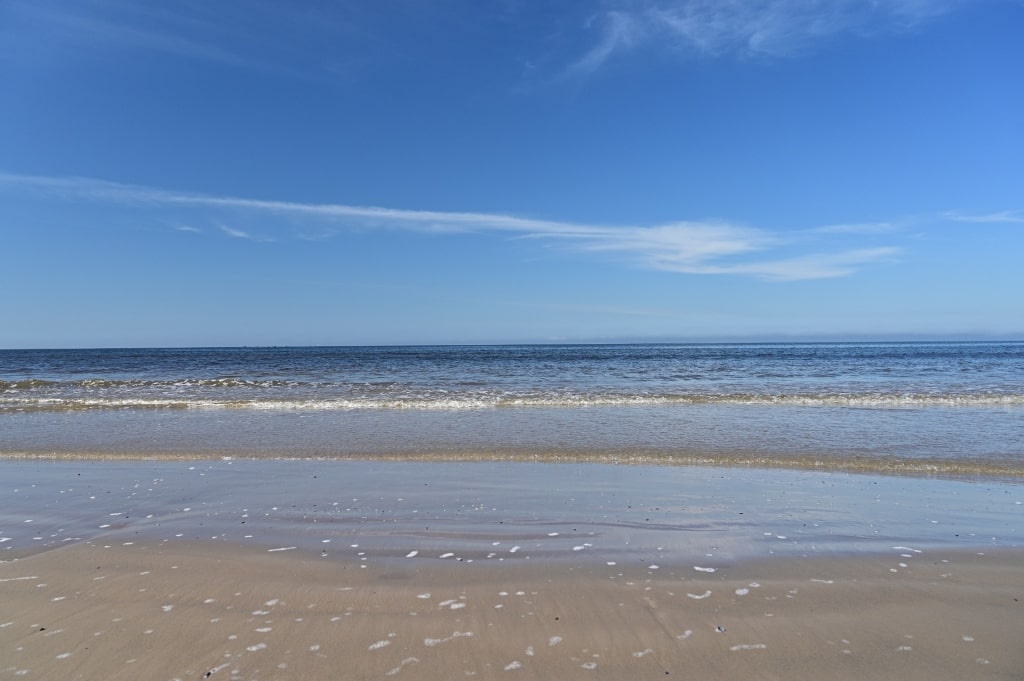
{"points": [[456, 171]]}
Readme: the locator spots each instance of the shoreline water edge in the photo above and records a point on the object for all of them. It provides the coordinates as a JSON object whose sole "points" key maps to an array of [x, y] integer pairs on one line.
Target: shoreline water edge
{"points": [[259, 569]]}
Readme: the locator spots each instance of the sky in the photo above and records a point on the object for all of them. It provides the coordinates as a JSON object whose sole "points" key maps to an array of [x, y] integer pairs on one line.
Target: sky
{"points": [[191, 173]]}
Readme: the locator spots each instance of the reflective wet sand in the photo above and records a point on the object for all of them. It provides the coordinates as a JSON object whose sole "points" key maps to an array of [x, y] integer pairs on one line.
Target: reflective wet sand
{"points": [[370, 569]]}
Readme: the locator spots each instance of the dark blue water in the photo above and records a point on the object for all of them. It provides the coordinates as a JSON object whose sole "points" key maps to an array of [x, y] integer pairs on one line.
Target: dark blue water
{"points": [[922, 407]]}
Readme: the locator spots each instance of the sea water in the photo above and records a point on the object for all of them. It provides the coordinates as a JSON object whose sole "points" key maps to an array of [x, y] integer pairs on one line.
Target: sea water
{"points": [[922, 408]]}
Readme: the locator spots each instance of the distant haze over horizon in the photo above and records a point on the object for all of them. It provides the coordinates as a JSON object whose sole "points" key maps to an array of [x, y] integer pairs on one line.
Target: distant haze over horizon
{"points": [[734, 340]]}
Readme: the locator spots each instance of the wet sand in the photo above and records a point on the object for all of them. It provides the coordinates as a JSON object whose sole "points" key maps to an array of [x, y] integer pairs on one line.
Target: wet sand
{"points": [[174, 611], [328, 570]]}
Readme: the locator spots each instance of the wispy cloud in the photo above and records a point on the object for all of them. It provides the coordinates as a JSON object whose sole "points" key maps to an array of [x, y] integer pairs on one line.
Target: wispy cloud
{"points": [[235, 233], [860, 228], [746, 27], [1000, 217], [122, 33], [709, 247], [620, 31], [810, 266], [279, 38]]}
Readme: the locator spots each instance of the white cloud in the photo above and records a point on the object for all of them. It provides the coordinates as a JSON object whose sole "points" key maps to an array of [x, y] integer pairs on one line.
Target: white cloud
{"points": [[749, 27], [811, 266], [680, 246], [686, 247], [301, 40]]}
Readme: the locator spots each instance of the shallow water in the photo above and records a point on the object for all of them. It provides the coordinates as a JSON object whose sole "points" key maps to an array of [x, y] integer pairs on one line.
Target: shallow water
{"points": [[372, 511]]}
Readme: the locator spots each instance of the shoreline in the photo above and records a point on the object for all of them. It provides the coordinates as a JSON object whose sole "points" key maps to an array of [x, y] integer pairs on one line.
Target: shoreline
{"points": [[939, 468], [296, 569]]}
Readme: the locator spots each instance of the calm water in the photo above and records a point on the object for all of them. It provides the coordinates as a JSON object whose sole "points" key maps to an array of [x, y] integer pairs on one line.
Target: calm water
{"points": [[500, 511], [948, 408]]}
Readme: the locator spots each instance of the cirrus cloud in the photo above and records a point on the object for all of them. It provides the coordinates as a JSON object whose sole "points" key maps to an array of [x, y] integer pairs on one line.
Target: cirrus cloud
{"points": [[687, 247], [717, 28]]}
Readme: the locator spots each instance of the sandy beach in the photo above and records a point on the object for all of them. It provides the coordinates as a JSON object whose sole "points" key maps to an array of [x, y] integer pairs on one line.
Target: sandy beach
{"points": [[142, 610], [200, 570]]}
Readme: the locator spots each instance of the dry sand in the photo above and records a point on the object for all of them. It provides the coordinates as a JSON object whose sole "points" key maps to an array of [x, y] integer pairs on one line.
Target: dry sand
{"points": [[158, 610]]}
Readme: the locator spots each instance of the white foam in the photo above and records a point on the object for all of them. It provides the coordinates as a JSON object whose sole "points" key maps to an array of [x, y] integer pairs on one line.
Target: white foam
{"points": [[748, 646], [406, 661], [412, 554], [432, 642], [554, 640], [699, 596], [703, 569], [645, 651], [514, 664], [685, 635], [379, 644], [258, 646]]}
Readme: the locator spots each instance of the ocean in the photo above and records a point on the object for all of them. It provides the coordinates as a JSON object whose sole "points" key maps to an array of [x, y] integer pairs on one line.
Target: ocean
{"points": [[948, 409]]}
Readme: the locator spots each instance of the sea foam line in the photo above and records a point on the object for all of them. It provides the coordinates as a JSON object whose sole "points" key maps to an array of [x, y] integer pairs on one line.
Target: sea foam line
{"points": [[470, 402]]}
